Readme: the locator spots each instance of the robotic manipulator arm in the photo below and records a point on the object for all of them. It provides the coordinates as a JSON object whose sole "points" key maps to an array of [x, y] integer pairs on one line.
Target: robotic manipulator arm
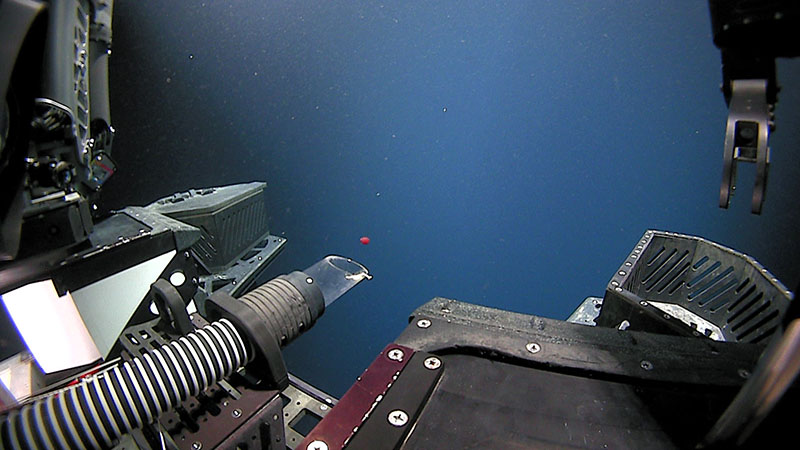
{"points": [[750, 35]]}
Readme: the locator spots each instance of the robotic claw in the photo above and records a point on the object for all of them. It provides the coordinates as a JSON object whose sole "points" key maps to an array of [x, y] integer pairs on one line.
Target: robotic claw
{"points": [[750, 35]]}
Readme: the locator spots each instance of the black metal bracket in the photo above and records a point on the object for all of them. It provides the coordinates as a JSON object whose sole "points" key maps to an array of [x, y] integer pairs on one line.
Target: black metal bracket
{"points": [[170, 306]]}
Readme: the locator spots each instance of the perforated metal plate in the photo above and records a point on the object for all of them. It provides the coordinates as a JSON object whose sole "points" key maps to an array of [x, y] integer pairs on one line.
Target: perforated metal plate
{"points": [[687, 281]]}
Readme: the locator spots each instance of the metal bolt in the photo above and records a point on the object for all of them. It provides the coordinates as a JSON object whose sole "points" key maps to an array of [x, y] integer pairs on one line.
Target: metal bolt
{"points": [[310, 280], [646, 365], [643, 303], [432, 363], [317, 445], [533, 347], [398, 418], [197, 445], [395, 354], [423, 323], [744, 373], [237, 413]]}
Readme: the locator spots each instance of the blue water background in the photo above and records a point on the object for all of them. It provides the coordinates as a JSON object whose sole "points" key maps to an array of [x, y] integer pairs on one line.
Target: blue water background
{"points": [[503, 153]]}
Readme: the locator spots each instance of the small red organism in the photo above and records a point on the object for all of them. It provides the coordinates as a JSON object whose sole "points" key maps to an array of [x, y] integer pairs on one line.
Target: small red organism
{"points": [[364, 240]]}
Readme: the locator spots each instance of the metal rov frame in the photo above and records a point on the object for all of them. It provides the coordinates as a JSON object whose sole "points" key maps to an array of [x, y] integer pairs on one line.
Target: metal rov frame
{"points": [[186, 225], [674, 356]]}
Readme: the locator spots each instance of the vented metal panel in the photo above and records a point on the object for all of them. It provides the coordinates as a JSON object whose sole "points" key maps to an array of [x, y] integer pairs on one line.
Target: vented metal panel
{"points": [[698, 281], [231, 220]]}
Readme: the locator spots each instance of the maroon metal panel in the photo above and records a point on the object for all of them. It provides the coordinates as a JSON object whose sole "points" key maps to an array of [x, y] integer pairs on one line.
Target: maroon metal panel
{"points": [[345, 418]]}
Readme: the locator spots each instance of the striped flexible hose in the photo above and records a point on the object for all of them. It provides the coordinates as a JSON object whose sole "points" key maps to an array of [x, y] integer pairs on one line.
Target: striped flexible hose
{"points": [[97, 411]]}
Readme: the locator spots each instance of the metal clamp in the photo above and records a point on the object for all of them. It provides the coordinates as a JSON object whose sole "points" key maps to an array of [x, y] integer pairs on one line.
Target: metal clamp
{"points": [[746, 139]]}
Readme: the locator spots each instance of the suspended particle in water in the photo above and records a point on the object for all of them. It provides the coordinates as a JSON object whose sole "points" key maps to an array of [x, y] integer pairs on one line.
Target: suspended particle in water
{"points": [[364, 240]]}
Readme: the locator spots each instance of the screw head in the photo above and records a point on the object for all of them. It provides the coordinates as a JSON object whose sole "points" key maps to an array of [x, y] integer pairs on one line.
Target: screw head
{"points": [[236, 413], [646, 365], [744, 373], [398, 418], [533, 347], [423, 323], [432, 363], [317, 445], [395, 354], [197, 445]]}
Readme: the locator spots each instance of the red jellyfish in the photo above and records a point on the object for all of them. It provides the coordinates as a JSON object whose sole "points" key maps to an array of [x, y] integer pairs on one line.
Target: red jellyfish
{"points": [[364, 240]]}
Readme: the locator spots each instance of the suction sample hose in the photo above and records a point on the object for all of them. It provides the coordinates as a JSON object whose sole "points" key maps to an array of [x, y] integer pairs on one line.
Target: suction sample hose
{"points": [[290, 304], [97, 411]]}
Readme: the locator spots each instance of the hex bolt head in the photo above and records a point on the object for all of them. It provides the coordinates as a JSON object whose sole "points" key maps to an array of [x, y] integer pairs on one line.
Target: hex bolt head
{"points": [[395, 354], [317, 445], [398, 418], [423, 323], [236, 413], [533, 347], [432, 363]]}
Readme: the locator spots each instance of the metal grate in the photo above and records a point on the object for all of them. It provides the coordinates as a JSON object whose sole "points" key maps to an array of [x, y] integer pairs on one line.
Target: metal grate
{"points": [[719, 292]]}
